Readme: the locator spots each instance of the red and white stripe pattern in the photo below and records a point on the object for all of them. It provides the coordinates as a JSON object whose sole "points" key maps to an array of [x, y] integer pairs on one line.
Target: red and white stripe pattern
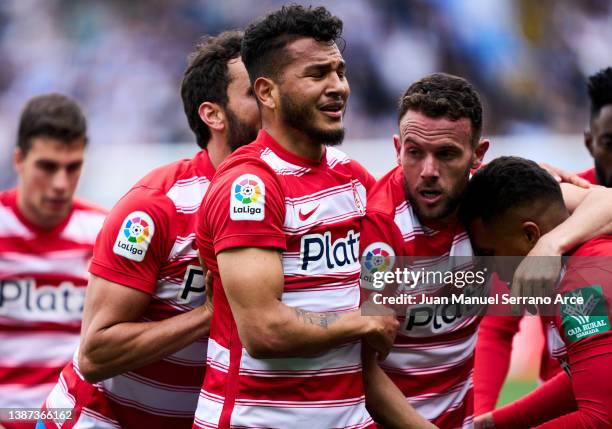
{"points": [[432, 358], [163, 394], [323, 204], [43, 275]]}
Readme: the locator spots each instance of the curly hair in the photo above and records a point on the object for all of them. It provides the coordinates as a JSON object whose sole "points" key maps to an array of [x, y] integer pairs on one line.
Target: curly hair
{"points": [[207, 78], [600, 90], [507, 182], [441, 94], [265, 40], [51, 115]]}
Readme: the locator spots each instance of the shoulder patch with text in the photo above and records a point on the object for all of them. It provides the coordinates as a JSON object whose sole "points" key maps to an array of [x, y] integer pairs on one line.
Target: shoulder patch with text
{"points": [[588, 319], [248, 198], [134, 236]]}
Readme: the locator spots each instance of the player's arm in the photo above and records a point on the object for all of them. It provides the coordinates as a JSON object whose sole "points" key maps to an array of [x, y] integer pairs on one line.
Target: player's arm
{"points": [[384, 400], [591, 216], [495, 335], [114, 340], [253, 281]]}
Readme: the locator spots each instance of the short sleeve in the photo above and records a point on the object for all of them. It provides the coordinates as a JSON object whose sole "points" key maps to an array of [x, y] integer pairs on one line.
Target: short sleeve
{"points": [[363, 175], [381, 243], [245, 207], [133, 242]]}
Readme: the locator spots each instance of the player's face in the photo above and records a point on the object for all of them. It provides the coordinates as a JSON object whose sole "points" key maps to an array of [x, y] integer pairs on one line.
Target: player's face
{"points": [[242, 113], [600, 145], [48, 176], [436, 155], [314, 90], [501, 237]]}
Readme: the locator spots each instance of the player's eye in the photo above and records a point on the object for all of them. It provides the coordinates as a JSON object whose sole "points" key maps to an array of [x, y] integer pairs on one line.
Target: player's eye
{"points": [[47, 166]]}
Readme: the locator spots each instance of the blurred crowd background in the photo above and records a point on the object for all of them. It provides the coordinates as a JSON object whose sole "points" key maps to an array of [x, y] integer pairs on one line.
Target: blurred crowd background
{"points": [[124, 60]]}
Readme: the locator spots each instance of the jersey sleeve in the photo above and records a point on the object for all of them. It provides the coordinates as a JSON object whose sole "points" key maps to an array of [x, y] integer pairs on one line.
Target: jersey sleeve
{"points": [[133, 241], [381, 243], [494, 344], [245, 207], [363, 175]]}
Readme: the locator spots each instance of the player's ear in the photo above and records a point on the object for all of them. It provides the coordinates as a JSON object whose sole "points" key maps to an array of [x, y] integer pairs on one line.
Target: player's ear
{"points": [[479, 152], [398, 148], [588, 141], [531, 232], [266, 92], [212, 115], [18, 158]]}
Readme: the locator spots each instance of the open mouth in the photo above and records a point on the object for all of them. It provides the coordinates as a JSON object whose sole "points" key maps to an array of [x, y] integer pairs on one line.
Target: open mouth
{"points": [[333, 110], [430, 196]]}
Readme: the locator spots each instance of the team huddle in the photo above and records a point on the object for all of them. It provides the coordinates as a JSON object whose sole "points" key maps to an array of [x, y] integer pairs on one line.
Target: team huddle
{"points": [[225, 291]]}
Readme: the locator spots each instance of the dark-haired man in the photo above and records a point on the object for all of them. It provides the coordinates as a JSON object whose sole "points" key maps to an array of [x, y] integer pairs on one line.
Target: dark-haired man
{"points": [[598, 139], [509, 223], [143, 343], [412, 212], [279, 229], [46, 242]]}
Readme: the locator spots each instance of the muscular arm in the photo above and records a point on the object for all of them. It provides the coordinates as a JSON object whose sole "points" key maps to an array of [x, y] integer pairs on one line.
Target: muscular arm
{"points": [[591, 216], [113, 341], [253, 282], [385, 401]]}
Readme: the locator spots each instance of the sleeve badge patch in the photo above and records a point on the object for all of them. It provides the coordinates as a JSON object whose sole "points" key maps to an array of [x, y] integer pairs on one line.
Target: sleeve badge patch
{"points": [[134, 236]]}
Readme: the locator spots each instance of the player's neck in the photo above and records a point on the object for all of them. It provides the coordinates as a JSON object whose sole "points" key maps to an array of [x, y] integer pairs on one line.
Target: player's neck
{"points": [[218, 150], [296, 142]]}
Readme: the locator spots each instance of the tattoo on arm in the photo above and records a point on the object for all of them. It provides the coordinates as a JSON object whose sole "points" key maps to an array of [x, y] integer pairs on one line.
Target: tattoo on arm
{"points": [[324, 320]]}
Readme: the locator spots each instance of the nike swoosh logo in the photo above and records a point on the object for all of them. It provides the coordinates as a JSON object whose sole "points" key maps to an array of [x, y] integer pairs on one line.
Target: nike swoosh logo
{"points": [[304, 216]]}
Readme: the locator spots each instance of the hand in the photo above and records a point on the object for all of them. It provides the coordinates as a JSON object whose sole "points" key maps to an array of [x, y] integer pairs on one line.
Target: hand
{"points": [[537, 273], [382, 328], [208, 282], [563, 176], [484, 421]]}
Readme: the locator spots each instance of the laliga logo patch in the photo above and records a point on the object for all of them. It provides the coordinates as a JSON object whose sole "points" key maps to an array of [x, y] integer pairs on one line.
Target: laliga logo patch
{"points": [[134, 236], [378, 257], [247, 199]]}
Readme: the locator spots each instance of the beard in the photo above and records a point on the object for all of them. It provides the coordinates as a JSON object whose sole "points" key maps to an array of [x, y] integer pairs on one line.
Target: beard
{"points": [[602, 178], [239, 133], [447, 206], [302, 118]]}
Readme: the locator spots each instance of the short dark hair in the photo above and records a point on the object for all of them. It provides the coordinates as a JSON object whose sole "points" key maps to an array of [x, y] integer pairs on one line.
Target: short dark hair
{"points": [[51, 115], [507, 182], [441, 94], [207, 78], [600, 90], [264, 40]]}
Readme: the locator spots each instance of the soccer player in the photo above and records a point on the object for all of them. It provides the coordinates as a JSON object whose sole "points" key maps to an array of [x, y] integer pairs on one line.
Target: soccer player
{"points": [[598, 139], [509, 220], [412, 213], [279, 229], [46, 243], [143, 344], [496, 333]]}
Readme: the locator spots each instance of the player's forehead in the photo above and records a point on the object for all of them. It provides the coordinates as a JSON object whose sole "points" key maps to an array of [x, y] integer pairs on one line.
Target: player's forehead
{"points": [[237, 72], [417, 127], [49, 148], [306, 51], [602, 124]]}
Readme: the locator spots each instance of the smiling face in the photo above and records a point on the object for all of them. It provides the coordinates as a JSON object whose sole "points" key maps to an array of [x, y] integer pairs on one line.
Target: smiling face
{"points": [[436, 155], [48, 176], [313, 90]]}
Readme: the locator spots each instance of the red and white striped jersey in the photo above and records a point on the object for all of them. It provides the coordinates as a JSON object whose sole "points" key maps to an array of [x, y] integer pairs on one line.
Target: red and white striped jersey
{"points": [[432, 358], [43, 275], [265, 196], [148, 243]]}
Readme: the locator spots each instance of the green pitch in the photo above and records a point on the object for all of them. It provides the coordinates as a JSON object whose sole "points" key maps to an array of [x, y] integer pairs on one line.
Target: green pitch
{"points": [[514, 389]]}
